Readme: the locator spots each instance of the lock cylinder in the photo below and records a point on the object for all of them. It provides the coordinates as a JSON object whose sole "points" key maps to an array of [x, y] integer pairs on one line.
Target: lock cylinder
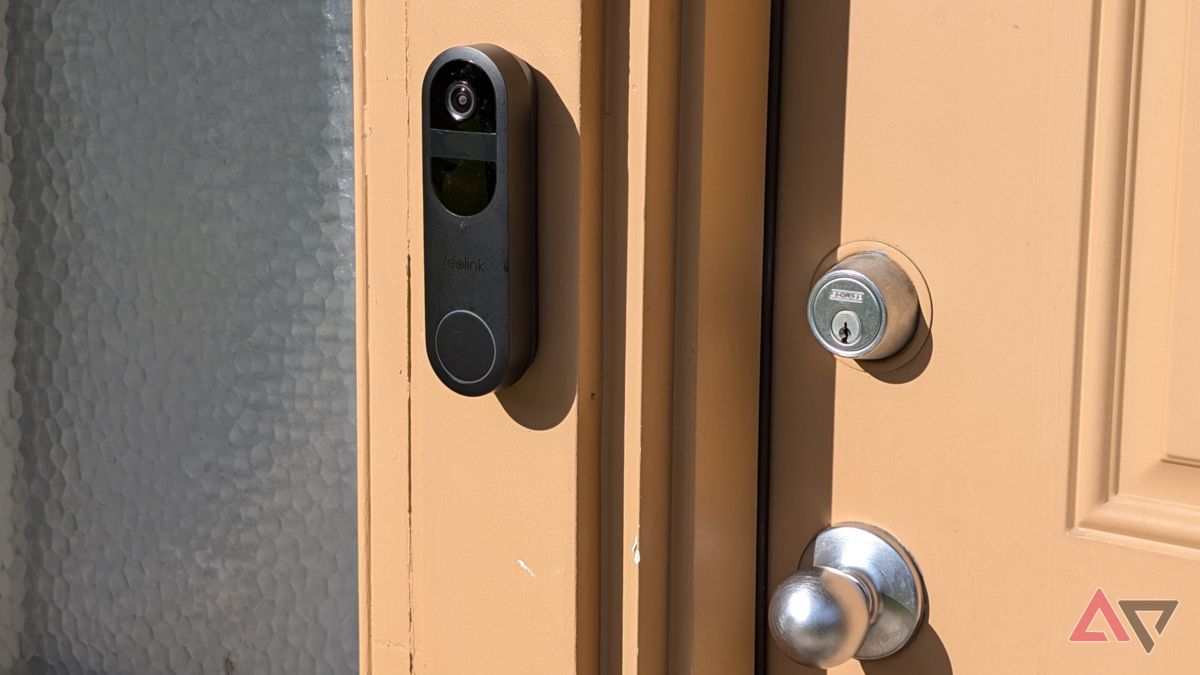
{"points": [[865, 307]]}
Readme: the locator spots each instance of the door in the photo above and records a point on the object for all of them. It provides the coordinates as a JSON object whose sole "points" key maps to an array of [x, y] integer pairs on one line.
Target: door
{"points": [[1037, 163]]}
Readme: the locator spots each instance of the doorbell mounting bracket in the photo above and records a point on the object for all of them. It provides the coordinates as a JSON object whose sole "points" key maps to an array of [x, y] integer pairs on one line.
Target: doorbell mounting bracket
{"points": [[479, 132]]}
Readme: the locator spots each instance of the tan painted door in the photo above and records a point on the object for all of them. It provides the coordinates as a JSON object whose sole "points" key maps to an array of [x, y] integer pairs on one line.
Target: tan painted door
{"points": [[1039, 161]]}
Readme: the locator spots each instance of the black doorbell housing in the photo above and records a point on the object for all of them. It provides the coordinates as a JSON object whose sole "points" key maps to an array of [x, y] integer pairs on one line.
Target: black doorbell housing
{"points": [[479, 130]]}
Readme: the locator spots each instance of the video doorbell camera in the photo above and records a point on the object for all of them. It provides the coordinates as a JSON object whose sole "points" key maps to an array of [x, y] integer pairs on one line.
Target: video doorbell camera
{"points": [[480, 175]]}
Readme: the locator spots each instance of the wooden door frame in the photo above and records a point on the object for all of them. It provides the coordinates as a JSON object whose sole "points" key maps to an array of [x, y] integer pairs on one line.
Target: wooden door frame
{"points": [[723, 99], [655, 555]]}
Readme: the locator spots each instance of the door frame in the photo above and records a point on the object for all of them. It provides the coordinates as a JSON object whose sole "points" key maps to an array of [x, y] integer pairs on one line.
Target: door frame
{"points": [[645, 549]]}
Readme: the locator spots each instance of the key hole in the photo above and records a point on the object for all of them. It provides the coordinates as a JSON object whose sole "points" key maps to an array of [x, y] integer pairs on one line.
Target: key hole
{"points": [[845, 332]]}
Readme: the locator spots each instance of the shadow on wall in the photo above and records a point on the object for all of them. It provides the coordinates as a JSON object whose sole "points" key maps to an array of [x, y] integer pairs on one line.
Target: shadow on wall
{"points": [[911, 370], [545, 393], [925, 654]]}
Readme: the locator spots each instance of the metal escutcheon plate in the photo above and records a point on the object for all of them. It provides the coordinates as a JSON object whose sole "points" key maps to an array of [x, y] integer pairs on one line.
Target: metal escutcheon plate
{"points": [[871, 553]]}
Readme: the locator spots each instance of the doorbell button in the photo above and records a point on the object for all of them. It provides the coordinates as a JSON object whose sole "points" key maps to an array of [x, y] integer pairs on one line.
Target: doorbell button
{"points": [[480, 235], [466, 347], [864, 307]]}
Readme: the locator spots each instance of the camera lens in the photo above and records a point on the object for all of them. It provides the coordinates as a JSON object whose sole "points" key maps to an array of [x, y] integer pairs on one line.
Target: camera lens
{"points": [[460, 101]]}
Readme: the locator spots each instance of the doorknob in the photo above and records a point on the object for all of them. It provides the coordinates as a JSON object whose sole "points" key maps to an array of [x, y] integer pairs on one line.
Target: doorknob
{"points": [[861, 595]]}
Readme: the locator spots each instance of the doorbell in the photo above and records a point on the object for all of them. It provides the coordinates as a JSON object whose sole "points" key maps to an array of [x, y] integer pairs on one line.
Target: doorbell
{"points": [[480, 177]]}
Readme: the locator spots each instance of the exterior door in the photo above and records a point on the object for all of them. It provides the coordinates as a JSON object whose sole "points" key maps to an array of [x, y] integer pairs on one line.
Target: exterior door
{"points": [[1038, 162]]}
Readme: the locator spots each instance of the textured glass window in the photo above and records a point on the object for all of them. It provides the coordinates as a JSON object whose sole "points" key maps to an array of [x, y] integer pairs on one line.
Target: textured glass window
{"points": [[177, 459]]}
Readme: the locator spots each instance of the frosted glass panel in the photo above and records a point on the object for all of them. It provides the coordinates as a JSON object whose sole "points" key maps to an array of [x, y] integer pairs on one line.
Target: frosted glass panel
{"points": [[177, 459]]}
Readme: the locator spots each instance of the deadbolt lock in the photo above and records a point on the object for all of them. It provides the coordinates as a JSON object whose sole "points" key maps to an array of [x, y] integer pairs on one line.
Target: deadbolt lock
{"points": [[864, 307]]}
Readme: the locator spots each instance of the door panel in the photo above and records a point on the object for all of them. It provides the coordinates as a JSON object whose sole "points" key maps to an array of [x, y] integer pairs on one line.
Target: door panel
{"points": [[1032, 158], [1143, 480]]}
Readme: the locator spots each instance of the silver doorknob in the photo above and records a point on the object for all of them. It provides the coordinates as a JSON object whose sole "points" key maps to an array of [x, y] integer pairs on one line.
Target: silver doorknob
{"points": [[857, 594]]}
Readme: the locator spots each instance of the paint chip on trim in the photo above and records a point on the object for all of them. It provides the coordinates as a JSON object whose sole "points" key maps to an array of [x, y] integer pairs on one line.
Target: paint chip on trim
{"points": [[637, 551], [522, 565]]}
